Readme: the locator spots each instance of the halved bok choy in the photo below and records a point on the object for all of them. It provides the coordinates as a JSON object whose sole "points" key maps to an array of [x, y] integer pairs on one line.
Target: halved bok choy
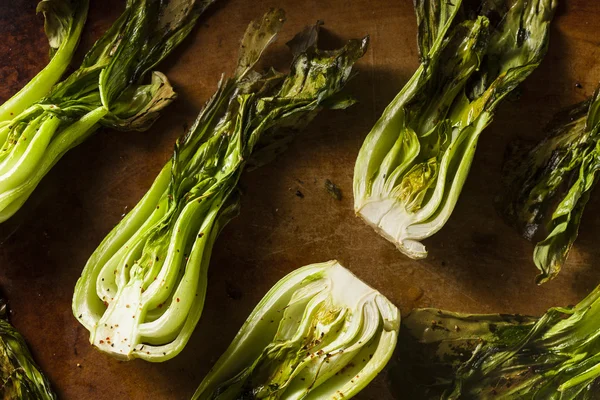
{"points": [[142, 291], [319, 333]]}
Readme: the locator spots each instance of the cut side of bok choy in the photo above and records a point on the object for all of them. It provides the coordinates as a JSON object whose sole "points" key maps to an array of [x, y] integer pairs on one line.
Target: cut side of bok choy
{"points": [[64, 21], [20, 377], [319, 333], [107, 90], [548, 186], [414, 162], [555, 356], [142, 291]]}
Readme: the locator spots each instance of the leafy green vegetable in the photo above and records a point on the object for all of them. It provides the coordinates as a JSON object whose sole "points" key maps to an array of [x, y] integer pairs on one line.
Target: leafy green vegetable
{"points": [[320, 333], [142, 292], [556, 356], [106, 90], [64, 20], [20, 377], [414, 162], [548, 186]]}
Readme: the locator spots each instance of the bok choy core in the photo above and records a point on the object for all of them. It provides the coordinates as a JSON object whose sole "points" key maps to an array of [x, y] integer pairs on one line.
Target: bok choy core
{"points": [[548, 186], [413, 164], [320, 333], [142, 292], [556, 356], [20, 377], [64, 20], [106, 90]]}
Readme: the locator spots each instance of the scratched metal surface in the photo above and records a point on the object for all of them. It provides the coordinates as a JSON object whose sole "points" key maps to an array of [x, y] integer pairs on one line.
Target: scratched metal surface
{"points": [[476, 263]]}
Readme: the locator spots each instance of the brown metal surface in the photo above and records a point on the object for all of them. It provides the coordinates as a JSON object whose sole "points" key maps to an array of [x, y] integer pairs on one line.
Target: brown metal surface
{"points": [[476, 263]]}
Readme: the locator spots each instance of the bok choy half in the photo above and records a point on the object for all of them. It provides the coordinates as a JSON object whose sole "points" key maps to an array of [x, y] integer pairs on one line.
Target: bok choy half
{"points": [[320, 333], [414, 162], [555, 356], [108, 90], [548, 186], [142, 291]]}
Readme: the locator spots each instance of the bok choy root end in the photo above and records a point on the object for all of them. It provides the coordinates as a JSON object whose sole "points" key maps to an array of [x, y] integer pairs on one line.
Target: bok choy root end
{"points": [[414, 162], [142, 292], [319, 333]]}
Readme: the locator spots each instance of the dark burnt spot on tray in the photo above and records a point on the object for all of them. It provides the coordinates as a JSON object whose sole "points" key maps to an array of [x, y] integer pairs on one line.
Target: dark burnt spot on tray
{"points": [[484, 239], [233, 291]]}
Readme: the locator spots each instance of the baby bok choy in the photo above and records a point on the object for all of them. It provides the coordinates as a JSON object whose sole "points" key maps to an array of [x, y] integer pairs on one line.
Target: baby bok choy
{"points": [[64, 20], [320, 333], [548, 186], [414, 162], [142, 291], [556, 356], [20, 377], [108, 90]]}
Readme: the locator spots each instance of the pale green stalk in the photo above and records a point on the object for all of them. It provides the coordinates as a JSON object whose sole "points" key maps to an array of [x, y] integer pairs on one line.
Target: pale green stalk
{"points": [[64, 23], [142, 291], [107, 90]]}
